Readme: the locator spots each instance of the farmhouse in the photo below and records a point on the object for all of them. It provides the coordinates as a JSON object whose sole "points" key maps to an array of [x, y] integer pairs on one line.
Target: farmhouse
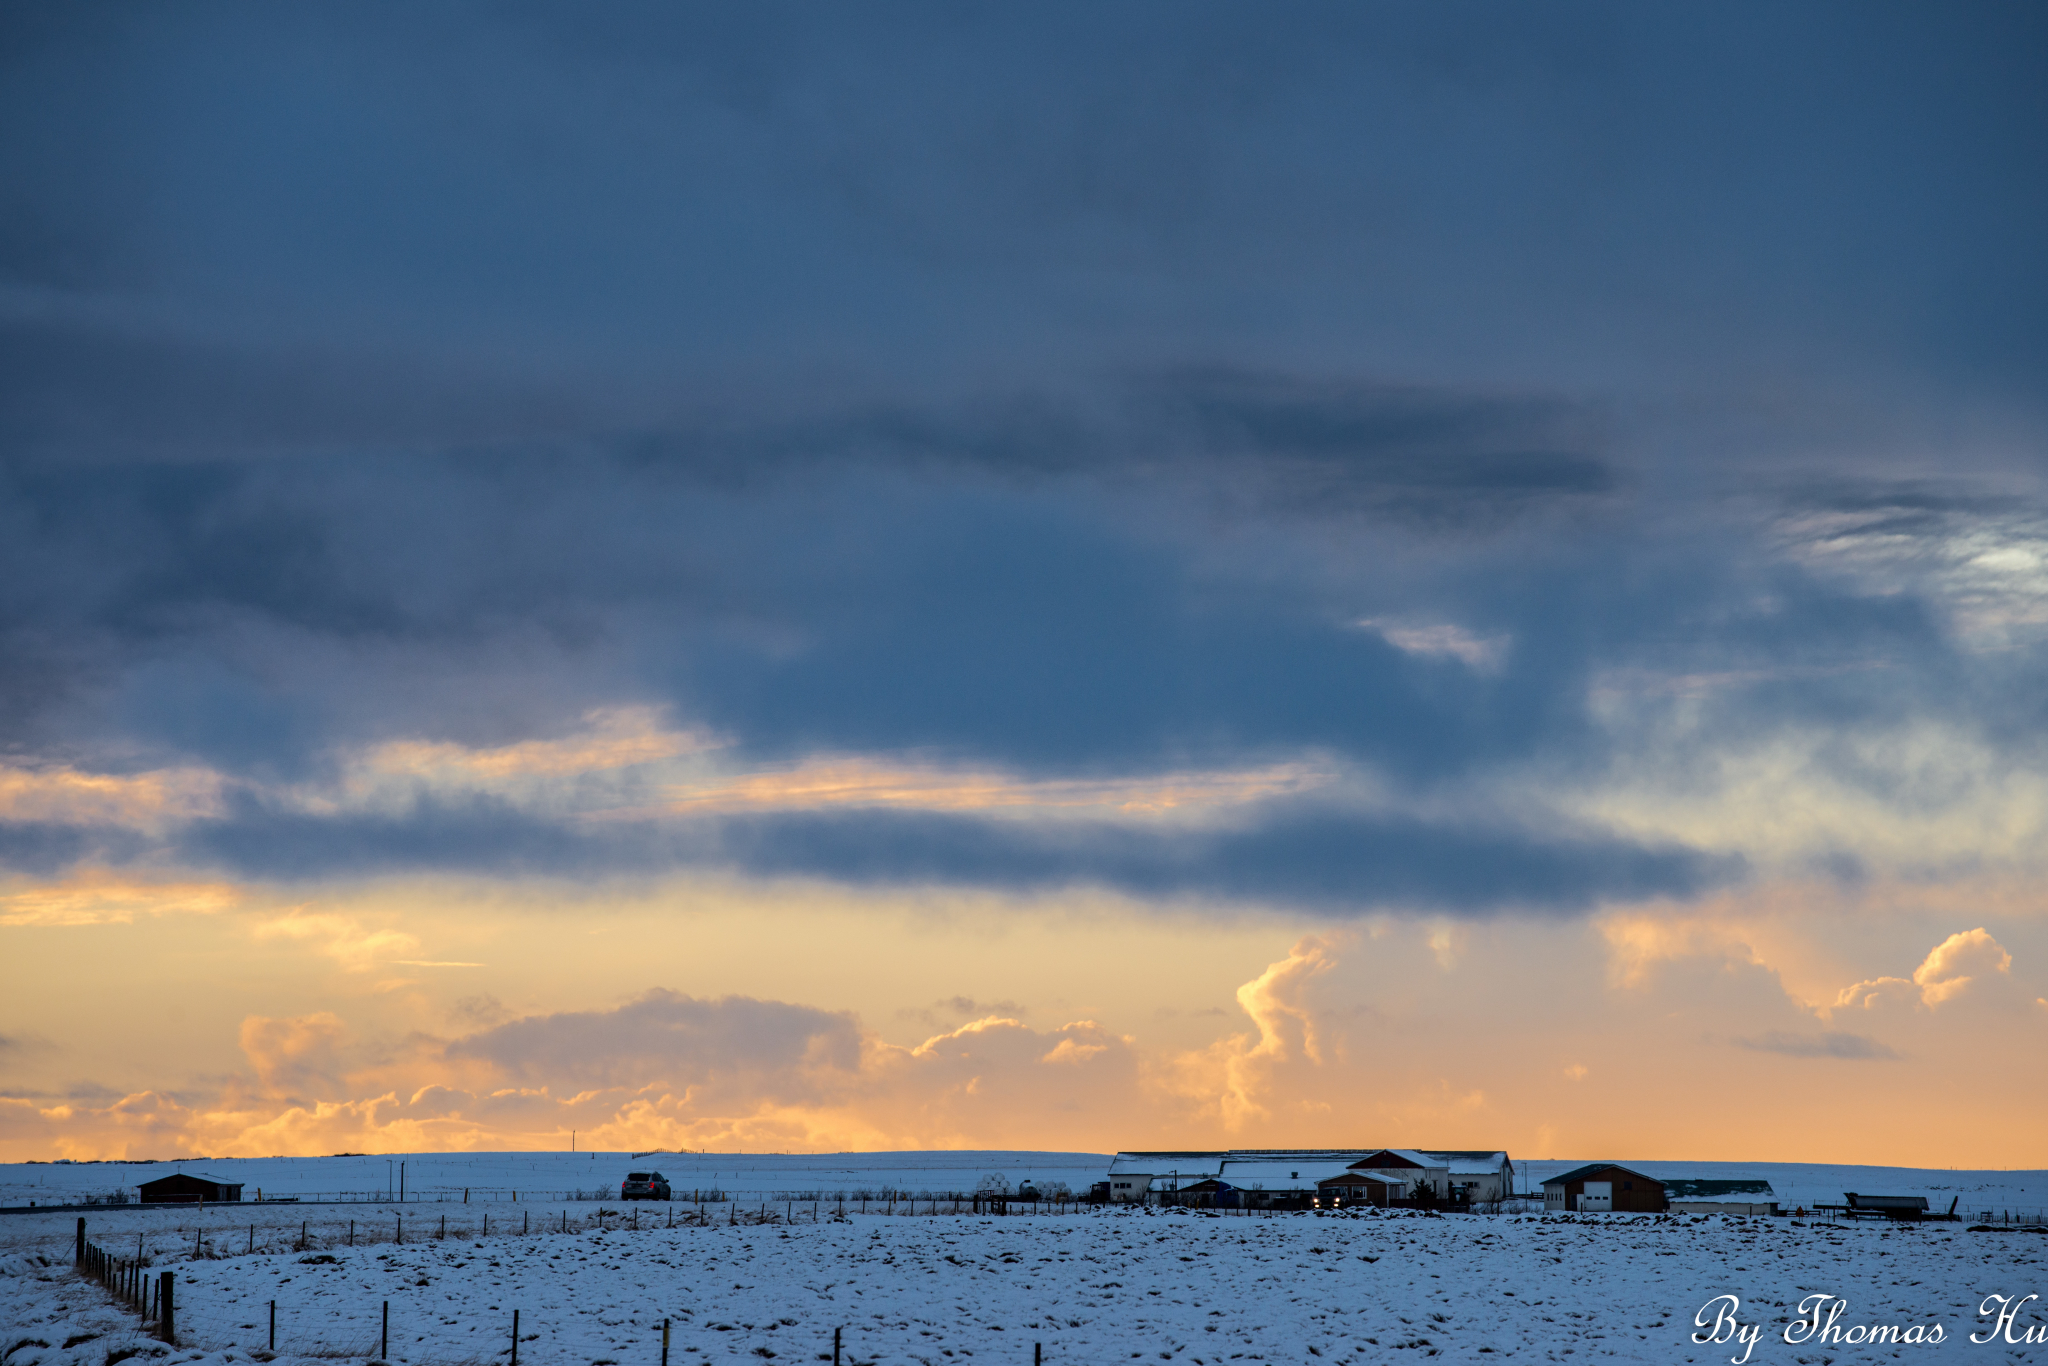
{"points": [[1601, 1187], [182, 1189]]}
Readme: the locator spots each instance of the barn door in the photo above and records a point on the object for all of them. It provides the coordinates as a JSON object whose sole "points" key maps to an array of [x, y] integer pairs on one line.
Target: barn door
{"points": [[1597, 1197]]}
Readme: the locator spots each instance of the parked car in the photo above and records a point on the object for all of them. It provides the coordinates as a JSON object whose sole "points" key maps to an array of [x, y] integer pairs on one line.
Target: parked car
{"points": [[644, 1186]]}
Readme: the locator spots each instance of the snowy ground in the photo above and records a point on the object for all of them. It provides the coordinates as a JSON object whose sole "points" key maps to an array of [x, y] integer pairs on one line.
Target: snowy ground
{"points": [[547, 1175], [1094, 1287], [947, 1290], [544, 1176]]}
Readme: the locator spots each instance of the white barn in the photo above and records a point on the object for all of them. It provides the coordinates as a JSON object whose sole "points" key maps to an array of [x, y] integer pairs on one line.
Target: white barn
{"points": [[1485, 1177]]}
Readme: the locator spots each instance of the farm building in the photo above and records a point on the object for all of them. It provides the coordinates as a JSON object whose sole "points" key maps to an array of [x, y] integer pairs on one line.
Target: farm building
{"points": [[1476, 1178], [1296, 1176], [1416, 1172], [1358, 1188], [1278, 1178], [1721, 1197], [183, 1189], [1599, 1187], [1138, 1177]]}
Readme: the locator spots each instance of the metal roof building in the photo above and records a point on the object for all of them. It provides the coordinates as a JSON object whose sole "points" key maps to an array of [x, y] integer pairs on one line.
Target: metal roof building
{"points": [[182, 1188]]}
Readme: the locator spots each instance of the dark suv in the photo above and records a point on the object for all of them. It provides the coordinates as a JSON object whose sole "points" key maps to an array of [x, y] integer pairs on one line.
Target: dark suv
{"points": [[644, 1186]]}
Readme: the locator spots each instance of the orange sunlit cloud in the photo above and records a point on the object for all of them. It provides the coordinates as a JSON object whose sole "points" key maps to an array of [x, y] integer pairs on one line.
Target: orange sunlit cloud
{"points": [[63, 795], [860, 782], [103, 898]]}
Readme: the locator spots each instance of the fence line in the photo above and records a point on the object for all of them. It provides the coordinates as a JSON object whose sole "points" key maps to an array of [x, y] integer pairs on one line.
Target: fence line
{"points": [[127, 1280]]}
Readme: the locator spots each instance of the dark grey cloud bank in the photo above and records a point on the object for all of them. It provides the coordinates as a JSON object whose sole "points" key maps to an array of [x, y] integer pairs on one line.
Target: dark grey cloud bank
{"points": [[1054, 389], [1318, 857]]}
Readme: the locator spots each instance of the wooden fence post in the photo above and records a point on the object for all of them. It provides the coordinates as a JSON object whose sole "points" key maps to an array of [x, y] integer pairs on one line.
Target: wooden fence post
{"points": [[166, 1309], [515, 1337], [79, 1260], [384, 1335]]}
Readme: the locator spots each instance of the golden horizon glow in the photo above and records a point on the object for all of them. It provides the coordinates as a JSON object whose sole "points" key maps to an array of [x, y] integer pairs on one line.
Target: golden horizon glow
{"points": [[456, 1016]]}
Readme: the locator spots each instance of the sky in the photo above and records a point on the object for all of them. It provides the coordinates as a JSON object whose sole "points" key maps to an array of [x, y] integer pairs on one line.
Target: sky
{"points": [[1066, 576]]}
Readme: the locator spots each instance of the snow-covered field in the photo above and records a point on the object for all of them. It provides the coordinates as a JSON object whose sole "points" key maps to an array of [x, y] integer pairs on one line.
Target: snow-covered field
{"points": [[1093, 1286], [546, 1176]]}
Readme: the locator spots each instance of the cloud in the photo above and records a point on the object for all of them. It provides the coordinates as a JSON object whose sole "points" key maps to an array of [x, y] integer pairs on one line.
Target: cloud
{"points": [[853, 782], [1953, 964], [1966, 959], [65, 796], [389, 519], [663, 1070], [674, 1039], [97, 897], [296, 1056], [344, 938], [1233, 1075], [1441, 640], [611, 739], [1826, 1044], [1328, 859]]}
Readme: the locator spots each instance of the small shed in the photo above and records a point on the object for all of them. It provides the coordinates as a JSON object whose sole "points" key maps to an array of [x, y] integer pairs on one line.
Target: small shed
{"points": [[1721, 1197], [183, 1188], [1603, 1187]]}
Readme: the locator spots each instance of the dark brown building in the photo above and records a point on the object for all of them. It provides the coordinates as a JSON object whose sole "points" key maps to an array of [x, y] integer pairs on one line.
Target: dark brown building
{"points": [[1600, 1187], [181, 1189], [1357, 1188]]}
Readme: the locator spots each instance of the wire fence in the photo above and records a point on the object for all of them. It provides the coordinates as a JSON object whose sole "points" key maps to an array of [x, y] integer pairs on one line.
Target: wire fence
{"points": [[141, 1284], [443, 1195]]}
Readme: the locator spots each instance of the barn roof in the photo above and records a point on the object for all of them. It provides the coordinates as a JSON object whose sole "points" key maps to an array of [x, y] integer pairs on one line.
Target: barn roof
{"points": [[1464, 1163], [1581, 1173], [1197, 1162], [1410, 1156], [193, 1176], [1282, 1173]]}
